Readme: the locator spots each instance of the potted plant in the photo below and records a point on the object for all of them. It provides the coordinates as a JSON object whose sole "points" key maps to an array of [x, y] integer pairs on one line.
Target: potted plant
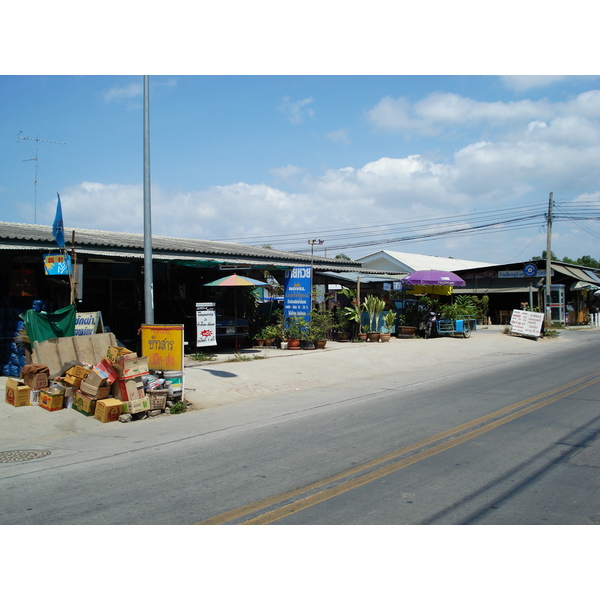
{"points": [[293, 331], [321, 322], [408, 321], [389, 321], [364, 331], [373, 306], [259, 339], [342, 326], [270, 334], [354, 315]]}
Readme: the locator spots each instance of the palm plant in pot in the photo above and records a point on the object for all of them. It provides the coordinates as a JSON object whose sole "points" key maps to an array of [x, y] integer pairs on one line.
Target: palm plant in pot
{"points": [[354, 315], [373, 306], [389, 321]]}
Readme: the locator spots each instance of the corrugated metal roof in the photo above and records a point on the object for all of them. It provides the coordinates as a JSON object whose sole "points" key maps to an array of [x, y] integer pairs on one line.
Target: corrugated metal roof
{"points": [[420, 262], [130, 245]]}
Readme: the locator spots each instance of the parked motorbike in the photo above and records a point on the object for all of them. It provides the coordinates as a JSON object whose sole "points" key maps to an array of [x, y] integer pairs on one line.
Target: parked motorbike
{"points": [[428, 326]]}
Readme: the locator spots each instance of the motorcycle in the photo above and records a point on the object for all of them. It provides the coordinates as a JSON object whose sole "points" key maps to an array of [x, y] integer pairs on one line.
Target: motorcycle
{"points": [[428, 326]]}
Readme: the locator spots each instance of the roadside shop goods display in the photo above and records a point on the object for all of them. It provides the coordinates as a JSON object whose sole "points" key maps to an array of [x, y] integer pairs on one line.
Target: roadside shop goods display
{"points": [[17, 393], [119, 384], [52, 398]]}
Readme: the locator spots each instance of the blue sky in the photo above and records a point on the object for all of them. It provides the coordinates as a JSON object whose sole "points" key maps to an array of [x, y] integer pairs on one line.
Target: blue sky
{"points": [[364, 162]]}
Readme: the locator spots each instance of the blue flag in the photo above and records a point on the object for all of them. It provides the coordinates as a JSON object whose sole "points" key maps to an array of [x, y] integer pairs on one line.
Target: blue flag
{"points": [[58, 227]]}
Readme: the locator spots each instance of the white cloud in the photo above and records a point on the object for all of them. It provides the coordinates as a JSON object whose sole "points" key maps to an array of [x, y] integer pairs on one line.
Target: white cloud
{"points": [[528, 147], [126, 92], [286, 173], [296, 111], [340, 136]]}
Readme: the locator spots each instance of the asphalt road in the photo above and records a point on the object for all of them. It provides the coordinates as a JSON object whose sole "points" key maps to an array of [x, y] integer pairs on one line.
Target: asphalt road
{"points": [[508, 439]]}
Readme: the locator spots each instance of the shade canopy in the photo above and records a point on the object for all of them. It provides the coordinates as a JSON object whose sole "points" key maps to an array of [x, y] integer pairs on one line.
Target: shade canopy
{"points": [[434, 277], [235, 281]]}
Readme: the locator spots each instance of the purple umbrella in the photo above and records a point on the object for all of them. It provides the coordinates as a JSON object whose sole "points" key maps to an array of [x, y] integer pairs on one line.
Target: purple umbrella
{"points": [[434, 277]]}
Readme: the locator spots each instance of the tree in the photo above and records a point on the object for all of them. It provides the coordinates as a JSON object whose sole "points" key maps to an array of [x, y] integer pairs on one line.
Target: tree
{"points": [[584, 261], [343, 256]]}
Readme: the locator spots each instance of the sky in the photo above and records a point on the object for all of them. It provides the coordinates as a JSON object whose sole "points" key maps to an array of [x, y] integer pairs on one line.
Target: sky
{"points": [[454, 164]]}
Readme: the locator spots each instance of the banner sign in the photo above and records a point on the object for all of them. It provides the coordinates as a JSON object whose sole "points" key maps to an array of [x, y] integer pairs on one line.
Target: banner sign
{"points": [[163, 345], [526, 323], [521, 274], [297, 292], [206, 324], [57, 264], [88, 323]]}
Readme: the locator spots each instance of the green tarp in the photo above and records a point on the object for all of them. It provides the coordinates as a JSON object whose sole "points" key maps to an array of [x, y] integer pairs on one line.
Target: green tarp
{"points": [[42, 326]]}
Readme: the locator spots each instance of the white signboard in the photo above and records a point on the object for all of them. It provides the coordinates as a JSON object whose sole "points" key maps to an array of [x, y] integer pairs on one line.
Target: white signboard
{"points": [[206, 324], [527, 323], [89, 323]]}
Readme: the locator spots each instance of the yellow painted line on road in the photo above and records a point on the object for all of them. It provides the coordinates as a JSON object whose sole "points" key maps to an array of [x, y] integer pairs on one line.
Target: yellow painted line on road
{"points": [[471, 430]]}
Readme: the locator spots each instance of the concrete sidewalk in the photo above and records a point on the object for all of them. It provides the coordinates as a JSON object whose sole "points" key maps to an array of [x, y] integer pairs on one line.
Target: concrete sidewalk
{"points": [[269, 371]]}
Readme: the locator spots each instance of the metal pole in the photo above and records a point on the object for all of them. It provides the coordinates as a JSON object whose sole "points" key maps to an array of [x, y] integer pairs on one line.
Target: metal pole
{"points": [[549, 265], [148, 283]]}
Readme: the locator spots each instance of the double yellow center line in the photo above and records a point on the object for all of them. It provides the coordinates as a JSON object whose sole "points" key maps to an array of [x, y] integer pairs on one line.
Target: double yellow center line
{"points": [[281, 505]]}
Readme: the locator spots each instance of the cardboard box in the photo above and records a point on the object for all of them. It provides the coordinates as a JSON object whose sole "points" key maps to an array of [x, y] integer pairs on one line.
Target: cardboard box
{"points": [[68, 399], [105, 368], [98, 393], [51, 400], [136, 406], [84, 404], [34, 398], [108, 410], [96, 378], [17, 393], [128, 388], [72, 381], [78, 371], [37, 381], [36, 376], [116, 353], [130, 367]]}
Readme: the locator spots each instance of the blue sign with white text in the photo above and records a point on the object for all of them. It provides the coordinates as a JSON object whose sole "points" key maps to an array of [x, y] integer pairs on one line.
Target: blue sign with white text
{"points": [[297, 292]]}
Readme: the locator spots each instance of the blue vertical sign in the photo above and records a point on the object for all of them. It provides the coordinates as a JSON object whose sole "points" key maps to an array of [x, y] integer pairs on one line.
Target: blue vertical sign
{"points": [[297, 292]]}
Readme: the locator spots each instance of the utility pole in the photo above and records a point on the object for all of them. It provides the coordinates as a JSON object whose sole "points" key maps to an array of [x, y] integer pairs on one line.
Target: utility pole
{"points": [[549, 264], [36, 140], [148, 279], [312, 255]]}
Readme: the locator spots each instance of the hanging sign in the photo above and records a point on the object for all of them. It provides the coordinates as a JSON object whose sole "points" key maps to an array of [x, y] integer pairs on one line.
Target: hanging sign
{"points": [[88, 323], [57, 264], [526, 323], [206, 324], [163, 345], [297, 292]]}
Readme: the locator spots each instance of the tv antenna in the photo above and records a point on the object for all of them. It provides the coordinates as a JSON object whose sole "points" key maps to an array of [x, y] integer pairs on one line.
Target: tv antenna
{"points": [[36, 140]]}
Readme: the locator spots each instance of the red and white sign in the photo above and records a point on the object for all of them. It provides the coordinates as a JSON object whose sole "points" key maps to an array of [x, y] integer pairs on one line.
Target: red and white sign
{"points": [[526, 323], [206, 324]]}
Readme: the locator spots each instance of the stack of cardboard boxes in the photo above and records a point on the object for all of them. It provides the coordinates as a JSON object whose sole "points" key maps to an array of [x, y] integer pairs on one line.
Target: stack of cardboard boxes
{"points": [[112, 387]]}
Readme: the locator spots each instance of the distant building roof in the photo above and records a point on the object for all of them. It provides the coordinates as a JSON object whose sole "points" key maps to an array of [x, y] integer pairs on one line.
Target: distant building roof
{"points": [[388, 260]]}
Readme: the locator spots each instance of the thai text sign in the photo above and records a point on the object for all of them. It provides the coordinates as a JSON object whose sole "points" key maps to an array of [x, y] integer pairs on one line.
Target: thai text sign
{"points": [[57, 264], [206, 324], [526, 323], [88, 323], [163, 345], [297, 292]]}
